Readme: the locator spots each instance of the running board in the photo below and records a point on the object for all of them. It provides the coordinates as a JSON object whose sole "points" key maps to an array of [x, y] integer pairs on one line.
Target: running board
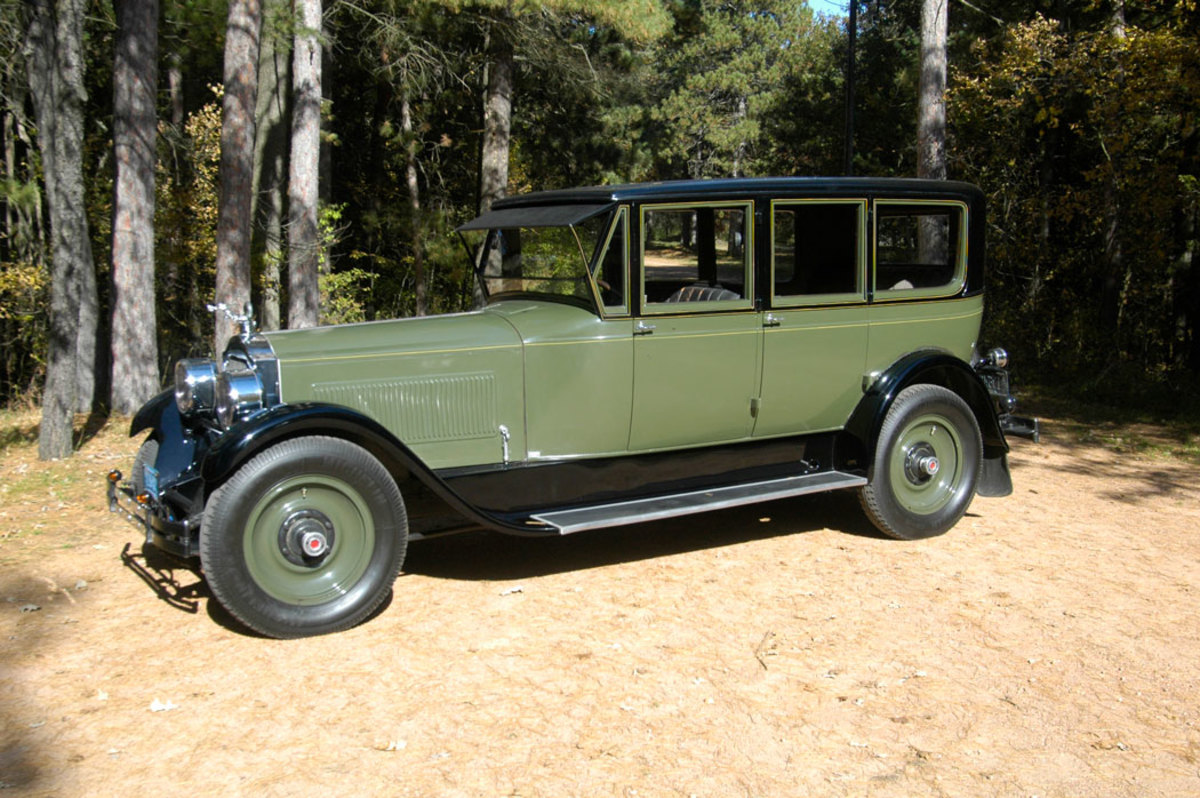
{"points": [[652, 509]]}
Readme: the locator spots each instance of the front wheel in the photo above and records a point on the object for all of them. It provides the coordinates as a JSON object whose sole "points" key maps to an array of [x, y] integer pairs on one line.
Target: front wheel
{"points": [[927, 461], [306, 538]]}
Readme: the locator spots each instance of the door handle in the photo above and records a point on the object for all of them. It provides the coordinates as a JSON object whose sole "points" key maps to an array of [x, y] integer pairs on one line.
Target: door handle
{"points": [[642, 328], [771, 320]]}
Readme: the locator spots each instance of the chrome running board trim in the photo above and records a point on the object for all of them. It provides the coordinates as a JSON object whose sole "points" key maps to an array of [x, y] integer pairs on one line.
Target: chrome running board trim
{"points": [[639, 510]]}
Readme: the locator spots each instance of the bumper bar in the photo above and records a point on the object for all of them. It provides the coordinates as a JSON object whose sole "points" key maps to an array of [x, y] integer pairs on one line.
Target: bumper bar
{"points": [[1021, 427], [174, 537]]}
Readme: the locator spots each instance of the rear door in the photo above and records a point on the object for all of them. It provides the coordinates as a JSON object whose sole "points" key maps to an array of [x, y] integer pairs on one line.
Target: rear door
{"points": [[816, 328]]}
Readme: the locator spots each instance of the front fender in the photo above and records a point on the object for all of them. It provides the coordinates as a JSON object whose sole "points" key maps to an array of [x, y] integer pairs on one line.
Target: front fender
{"points": [[256, 433], [176, 443]]}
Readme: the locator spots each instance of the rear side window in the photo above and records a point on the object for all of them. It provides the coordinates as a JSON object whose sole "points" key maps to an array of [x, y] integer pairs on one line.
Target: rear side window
{"points": [[920, 249], [817, 252]]}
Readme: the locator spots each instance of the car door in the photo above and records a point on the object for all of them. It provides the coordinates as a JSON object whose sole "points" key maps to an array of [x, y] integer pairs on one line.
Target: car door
{"points": [[816, 329], [697, 335]]}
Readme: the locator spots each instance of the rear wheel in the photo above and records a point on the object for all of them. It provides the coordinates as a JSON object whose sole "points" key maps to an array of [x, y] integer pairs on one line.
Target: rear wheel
{"points": [[927, 462], [306, 538]]}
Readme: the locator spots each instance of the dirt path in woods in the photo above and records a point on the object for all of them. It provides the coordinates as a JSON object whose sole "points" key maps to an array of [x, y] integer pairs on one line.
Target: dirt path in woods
{"points": [[1049, 645]]}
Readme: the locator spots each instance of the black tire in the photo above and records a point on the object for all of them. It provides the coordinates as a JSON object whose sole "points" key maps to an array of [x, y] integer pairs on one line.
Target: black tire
{"points": [[927, 462], [304, 539], [147, 455]]}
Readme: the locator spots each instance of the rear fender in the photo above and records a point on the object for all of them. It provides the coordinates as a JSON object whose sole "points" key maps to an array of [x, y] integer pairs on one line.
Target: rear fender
{"points": [[933, 368]]}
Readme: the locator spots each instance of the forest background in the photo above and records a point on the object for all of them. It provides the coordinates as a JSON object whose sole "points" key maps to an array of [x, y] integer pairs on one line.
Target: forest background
{"points": [[370, 128]]}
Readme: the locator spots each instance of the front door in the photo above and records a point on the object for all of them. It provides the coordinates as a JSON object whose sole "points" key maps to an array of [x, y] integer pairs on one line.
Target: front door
{"points": [[697, 338]]}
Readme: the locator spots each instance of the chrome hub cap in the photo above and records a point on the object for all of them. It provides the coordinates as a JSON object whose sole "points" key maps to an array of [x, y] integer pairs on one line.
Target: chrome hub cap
{"points": [[306, 537], [921, 463]]}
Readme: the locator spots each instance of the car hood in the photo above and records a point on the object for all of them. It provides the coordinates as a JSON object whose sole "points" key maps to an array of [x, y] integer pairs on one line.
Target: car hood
{"points": [[398, 337]]}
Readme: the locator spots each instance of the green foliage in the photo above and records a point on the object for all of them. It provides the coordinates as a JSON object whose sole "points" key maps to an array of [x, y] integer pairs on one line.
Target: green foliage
{"points": [[185, 224], [721, 76], [1085, 142]]}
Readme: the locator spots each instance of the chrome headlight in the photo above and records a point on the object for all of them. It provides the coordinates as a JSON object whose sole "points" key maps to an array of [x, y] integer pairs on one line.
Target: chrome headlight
{"points": [[195, 385], [239, 392], [996, 357]]}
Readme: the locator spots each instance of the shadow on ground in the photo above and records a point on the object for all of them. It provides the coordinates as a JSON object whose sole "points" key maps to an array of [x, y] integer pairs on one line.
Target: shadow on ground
{"points": [[493, 556]]}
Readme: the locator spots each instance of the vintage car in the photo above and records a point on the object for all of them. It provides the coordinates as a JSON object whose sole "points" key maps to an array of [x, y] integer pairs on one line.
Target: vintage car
{"points": [[646, 351]]}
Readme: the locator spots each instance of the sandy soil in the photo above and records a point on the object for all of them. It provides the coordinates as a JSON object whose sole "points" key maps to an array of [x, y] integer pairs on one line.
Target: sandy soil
{"points": [[1047, 646]]}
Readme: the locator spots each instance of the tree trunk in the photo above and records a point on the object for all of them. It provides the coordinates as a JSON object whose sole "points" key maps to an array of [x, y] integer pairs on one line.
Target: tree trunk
{"points": [[135, 129], [931, 106], [175, 89], [54, 54], [270, 159], [237, 162], [933, 240], [304, 240], [497, 134], [414, 202], [1117, 277]]}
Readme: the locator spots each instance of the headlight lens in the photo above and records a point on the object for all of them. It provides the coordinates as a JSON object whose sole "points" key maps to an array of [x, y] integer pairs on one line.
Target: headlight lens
{"points": [[238, 392], [195, 385]]}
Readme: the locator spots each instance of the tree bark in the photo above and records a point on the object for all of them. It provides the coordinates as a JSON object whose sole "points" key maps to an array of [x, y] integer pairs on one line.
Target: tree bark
{"points": [[933, 240], [497, 134], [270, 159], [54, 53], [237, 162], [135, 130], [414, 203], [931, 106], [304, 240]]}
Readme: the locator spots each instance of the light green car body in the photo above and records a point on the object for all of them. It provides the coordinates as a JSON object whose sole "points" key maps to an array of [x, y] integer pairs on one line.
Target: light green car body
{"points": [[566, 383]]}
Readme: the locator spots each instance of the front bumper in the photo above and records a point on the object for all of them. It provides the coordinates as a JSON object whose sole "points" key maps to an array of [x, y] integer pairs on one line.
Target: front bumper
{"points": [[175, 537]]}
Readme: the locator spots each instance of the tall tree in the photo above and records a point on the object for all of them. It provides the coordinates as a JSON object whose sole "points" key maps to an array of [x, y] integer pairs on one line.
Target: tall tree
{"points": [[931, 103], [304, 239], [722, 73], [234, 219], [135, 125], [270, 154], [636, 18], [54, 55], [414, 202]]}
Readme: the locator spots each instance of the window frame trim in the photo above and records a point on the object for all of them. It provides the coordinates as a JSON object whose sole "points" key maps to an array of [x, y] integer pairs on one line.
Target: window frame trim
{"points": [[619, 216], [951, 289], [746, 303], [862, 276]]}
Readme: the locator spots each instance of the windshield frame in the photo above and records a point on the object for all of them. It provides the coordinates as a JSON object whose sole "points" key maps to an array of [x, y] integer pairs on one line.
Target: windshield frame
{"points": [[536, 218]]}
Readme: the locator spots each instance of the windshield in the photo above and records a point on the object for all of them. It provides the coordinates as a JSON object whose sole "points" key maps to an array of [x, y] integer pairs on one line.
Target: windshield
{"points": [[538, 260]]}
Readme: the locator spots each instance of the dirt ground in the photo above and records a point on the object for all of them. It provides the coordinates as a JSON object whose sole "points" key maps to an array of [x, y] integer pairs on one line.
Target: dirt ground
{"points": [[1047, 646]]}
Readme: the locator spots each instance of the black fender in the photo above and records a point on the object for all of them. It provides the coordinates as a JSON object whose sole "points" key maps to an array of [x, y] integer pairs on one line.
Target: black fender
{"points": [[149, 415], [935, 368], [260, 431], [176, 443]]}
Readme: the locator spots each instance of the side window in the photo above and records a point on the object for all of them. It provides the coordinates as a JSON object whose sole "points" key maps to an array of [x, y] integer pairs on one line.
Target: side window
{"points": [[610, 269], [920, 249], [817, 252], [696, 255]]}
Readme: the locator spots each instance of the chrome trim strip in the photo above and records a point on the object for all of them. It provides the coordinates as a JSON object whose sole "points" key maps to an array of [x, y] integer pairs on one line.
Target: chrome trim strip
{"points": [[635, 512]]}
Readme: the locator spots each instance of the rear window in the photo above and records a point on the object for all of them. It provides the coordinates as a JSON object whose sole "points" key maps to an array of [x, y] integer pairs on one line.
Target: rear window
{"points": [[920, 249]]}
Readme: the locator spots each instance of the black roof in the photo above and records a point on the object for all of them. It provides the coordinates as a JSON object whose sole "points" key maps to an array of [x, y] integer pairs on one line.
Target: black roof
{"points": [[738, 187]]}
